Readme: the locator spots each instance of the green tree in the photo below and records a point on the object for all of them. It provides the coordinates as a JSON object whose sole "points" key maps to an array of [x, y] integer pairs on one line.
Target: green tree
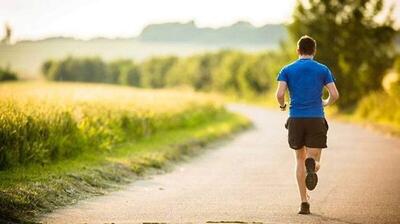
{"points": [[124, 72], [206, 68], [153, 71], [7, 75], [46, 67], [130, 76], [182, 73], [77, 69], [196, 71], [225, 77], [115, 70], [350, 40]]}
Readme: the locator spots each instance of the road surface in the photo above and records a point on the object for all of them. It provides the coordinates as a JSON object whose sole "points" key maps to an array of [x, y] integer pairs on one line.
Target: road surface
{"points": [[251, 180]]}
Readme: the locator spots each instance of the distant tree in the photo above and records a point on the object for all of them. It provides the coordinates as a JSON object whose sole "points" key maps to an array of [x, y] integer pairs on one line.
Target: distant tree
{"points": [[130, 76], [7, 34], [257, 75], [195, 71], [206, 67], [350, 40], [7, 75], [119, 68], [183, 72], [46, 66], [226, 74], [95, 70], [77, 69], [153, 71]]}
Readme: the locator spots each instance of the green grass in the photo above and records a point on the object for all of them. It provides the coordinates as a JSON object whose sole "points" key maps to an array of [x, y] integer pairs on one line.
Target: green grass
{"points": [[378, 110], [45, 122], [28, 191]]}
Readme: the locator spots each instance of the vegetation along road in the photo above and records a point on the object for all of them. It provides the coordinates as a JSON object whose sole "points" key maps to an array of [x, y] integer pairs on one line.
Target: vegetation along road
{"points": [[250, 179]]}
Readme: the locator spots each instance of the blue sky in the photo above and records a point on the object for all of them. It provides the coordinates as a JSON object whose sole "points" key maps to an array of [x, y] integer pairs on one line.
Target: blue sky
{"points": [[35, 19]]}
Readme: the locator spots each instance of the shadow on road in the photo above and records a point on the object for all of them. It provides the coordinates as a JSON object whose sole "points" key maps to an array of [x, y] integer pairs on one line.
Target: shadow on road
{"points": [[234, 222], [326, 218]]}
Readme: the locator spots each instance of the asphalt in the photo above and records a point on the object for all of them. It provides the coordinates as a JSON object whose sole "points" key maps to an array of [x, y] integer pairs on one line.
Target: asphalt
{"points": [[250, 179]]}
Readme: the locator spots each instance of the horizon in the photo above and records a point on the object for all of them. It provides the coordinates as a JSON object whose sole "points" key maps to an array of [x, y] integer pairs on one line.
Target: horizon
{"points": [[136, 36], [42, 19]]}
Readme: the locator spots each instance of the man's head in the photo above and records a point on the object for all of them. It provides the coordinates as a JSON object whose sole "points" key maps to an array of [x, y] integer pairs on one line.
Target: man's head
{"points": [[306, 46]]}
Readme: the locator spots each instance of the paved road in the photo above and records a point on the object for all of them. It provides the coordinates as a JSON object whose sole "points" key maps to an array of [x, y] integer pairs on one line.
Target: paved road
{"points": [[251, 179]]}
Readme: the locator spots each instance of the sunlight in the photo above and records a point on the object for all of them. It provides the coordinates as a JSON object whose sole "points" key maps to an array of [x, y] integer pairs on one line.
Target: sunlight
{"points": [[121, 18]]}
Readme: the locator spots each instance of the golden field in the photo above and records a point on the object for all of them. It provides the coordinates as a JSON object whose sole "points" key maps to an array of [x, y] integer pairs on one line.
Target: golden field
{"points": [[44, 122]]}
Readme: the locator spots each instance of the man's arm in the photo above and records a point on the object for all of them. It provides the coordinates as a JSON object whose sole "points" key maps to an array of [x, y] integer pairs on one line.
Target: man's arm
{"points": [[280, 93], [333, 94]]}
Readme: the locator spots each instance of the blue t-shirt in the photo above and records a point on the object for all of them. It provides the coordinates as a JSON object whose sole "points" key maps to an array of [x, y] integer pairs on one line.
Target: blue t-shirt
{"points": [[306, 79]]}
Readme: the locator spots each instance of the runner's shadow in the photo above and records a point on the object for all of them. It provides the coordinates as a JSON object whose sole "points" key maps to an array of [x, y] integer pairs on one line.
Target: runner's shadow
{"points": [[326, 218], [234, 222]]}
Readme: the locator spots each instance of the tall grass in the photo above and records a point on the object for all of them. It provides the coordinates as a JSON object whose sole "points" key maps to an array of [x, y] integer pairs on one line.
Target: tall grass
{"points": [[41, 123], [381, 108]]}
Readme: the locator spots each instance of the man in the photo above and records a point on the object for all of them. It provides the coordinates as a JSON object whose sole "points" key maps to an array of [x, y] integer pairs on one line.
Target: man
{"points": [[307, 128]]}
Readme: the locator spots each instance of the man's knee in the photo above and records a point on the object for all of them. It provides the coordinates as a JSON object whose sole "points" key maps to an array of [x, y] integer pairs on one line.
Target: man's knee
{"points": [[300, 161], [314, 153], [301, 153]]}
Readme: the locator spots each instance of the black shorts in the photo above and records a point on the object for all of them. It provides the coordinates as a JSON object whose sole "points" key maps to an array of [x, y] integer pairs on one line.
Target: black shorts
{"points": [[309, 132]]}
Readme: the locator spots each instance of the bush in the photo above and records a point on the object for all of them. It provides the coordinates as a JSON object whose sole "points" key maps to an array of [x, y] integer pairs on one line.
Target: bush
{"points": [[125, 72], [7, 75], [380, 107], [153, 71], [79, 70]]}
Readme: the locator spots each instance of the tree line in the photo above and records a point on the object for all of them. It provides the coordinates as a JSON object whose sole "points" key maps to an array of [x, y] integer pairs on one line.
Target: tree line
{"points": [[235, 72]]}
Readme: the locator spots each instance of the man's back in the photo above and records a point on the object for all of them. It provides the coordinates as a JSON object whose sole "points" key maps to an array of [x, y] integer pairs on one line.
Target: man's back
{"points": [[305, 79]]}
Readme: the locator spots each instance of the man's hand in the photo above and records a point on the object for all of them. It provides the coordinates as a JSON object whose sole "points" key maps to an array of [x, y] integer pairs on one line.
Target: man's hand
{"points": [[280, 94], [325, 102], [333, 94]]}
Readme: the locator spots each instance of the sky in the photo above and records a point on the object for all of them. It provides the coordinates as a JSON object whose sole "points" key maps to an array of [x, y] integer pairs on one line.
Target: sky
{"points": [[36, 19]]}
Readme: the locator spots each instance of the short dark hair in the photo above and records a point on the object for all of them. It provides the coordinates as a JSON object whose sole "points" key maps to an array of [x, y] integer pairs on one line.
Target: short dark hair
{"points": [[306, 45]]}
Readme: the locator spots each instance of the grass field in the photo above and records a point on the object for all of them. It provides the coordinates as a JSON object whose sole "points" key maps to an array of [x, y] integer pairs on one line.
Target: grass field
{"points": [[379, 110], [41, 123], [64, 142]]}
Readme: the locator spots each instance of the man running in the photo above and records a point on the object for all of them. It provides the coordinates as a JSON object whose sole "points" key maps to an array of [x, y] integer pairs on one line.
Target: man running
{"points": [[307, 128]]}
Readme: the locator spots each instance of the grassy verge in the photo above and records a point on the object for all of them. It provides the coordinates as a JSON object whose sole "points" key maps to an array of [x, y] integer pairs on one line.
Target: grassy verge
{"points": [[41, 123], [28, 191], [382, 127], [378, 111]]}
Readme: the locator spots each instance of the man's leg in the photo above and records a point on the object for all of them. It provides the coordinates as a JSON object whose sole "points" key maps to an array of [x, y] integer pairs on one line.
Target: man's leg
{"points": [[301, 173], [314, 153], [312, 166]]}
